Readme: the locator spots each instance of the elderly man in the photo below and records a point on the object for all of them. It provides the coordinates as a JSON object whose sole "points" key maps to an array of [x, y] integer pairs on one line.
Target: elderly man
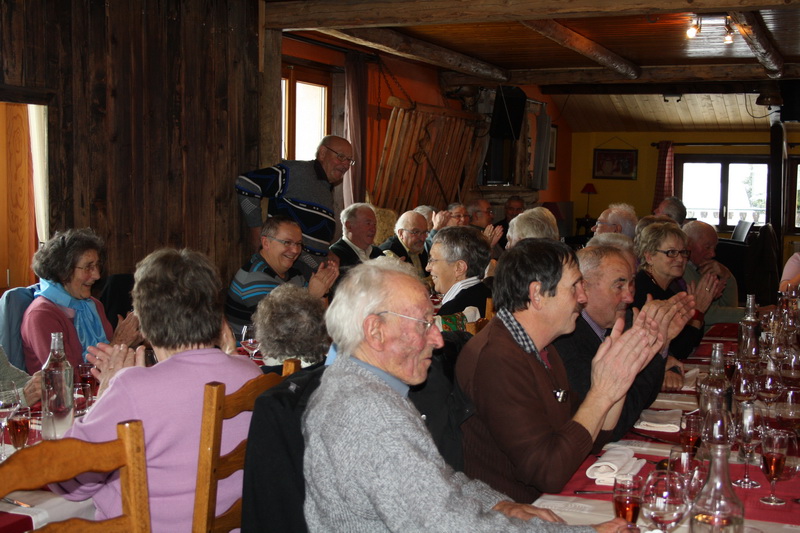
{"points": [[618, 218], [370, 464], [271, 266], [535, 223], [702, 243], [672, 207], [408, 241], [514, 206], [608, 286], [529, 433], [457, 263], [301, 190], [355, 246]]}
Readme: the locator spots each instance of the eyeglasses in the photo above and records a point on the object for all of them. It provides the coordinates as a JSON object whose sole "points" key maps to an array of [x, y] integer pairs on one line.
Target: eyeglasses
{"points": [[459, 216], [288, 244], [340, 156], [672, 254], [92, 267], [416, 232], [487, 211], [426, 323], [604, 223]]}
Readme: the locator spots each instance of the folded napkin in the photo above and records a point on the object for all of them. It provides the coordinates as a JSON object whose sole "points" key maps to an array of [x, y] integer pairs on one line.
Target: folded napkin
{"points": [[616, 461], [690, 379], [664, 421]]}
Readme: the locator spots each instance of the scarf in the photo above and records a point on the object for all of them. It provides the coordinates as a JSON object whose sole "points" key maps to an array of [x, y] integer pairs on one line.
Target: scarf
{"points": [[87, 321]]}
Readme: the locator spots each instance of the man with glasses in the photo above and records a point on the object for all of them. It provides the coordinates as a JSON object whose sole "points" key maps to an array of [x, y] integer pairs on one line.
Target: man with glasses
{"points": [[271, 266], [408, 241], [302, 191], [370, 463], [618, 218]]}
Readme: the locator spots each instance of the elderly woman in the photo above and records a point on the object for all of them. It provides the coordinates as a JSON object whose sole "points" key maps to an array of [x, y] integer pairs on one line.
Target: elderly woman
{"points": [[291, 324], [535, 223], [175, 296], [457, 262], [68, 265], [662, 251]]}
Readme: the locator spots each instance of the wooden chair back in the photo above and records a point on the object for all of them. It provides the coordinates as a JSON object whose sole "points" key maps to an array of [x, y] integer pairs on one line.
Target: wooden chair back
{"points": [[475, 327], [211, 467], [489, 314], [54, 461], [290, 366]]}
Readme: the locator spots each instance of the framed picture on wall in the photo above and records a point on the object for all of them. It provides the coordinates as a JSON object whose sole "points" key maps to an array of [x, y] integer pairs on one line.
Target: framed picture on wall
{"points": [[551, 157], [615, 164]]}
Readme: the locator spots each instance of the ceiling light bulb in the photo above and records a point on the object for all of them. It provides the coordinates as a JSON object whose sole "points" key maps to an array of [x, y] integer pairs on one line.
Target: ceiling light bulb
{"points": [[728, 38], [692, 32]]}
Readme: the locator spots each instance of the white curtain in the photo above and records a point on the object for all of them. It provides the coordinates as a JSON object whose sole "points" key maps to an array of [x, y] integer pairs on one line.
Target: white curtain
{"points": [[37, 120]]}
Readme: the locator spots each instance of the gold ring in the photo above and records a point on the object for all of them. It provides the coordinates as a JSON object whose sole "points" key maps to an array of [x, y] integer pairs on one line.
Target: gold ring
{"points": [[708, 290]]}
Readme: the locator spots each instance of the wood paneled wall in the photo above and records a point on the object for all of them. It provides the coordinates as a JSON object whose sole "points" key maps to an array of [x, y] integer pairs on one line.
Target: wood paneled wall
{"points": [[153, 110]]}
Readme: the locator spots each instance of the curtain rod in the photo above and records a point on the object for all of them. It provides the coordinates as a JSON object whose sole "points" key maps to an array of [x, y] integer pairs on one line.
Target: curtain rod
{"points": [[790, 145]]}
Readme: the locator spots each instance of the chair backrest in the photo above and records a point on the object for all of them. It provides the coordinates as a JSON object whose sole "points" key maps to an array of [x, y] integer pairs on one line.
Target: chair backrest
{"points": [[741, 230], [489, 314], [60, 460], [13, 304], [211, 467], [290, 366]]}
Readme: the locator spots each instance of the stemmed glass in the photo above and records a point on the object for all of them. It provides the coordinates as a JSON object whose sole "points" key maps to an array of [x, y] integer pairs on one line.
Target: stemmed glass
{"points": [[691, 424], [787, 410], [9, 402], [770, 387], [748, 423], [664, 499], [682, 461], [744, 383], [775, 444], [249, 342]]}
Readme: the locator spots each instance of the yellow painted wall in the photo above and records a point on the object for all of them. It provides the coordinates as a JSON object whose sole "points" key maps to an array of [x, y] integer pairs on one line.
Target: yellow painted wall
{"points": [[639, 192]]}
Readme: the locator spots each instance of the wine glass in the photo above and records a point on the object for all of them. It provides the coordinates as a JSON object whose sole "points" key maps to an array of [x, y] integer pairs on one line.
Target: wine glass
{"points": [[9, 402], [787, 410], [682, 461], [249, 342], [748, 425], [627, 497], [744, 383], [691, 424], [775, 444], [18, 427], [770, 387], [664, 500]]}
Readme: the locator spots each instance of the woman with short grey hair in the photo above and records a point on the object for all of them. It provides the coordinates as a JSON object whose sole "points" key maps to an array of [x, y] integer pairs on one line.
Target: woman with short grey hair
{"points": [[457, 261]]}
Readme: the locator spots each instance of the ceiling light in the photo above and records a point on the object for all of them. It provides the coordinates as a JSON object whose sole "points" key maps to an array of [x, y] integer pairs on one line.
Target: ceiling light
{"points": [[692, 32], [770, 95], [728, 32]]}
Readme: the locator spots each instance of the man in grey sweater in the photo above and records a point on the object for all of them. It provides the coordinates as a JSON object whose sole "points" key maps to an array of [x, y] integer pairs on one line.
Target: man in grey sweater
{"points": [[370, 463]]}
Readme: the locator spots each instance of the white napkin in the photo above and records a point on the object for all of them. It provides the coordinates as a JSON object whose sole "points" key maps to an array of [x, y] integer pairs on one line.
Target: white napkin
{"points": [[664, 421], [616, 461], [690, 379]]}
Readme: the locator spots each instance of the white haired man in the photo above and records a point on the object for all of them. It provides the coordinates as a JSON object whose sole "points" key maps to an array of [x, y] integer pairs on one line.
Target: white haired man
{"points": [[370, 463], [408, 241], [355, 246]]}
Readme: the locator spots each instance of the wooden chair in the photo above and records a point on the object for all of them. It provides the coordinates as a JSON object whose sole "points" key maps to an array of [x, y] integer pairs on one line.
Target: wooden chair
{"points": [[475, 327], [489, 314], [290, 366], [211, 467], [60, 460]]}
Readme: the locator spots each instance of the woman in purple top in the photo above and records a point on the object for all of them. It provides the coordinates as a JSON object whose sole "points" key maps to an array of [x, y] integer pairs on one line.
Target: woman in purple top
{"points": [[175, 298]]}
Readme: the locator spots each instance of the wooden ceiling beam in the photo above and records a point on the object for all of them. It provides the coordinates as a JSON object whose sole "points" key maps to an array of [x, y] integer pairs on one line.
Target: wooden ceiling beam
{"points": [[395, 43], [576, 42], [314, 14], [752, 29]]}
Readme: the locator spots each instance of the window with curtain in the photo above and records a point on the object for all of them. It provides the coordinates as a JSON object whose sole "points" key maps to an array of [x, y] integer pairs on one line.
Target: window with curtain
{"points": [[305, 117], [723, 189]]}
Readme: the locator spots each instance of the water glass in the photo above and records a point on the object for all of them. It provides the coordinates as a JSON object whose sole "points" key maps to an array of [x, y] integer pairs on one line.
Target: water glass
{"points": [[684, 462], [691, 424], [19, 427], [81, 398], [627, 497]]}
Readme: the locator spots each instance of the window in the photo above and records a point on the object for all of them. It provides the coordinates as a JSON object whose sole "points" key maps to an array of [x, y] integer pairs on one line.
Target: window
{"points": [[305, 111], [723, 189], [793, 218]]}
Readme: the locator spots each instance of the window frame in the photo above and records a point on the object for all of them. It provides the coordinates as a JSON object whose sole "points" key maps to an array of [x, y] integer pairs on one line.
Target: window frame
{"points": [[293, 73], [724, 160]]}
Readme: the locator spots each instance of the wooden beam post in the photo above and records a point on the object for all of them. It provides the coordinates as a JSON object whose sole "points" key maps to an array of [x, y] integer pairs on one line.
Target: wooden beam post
{"points": [[580, 44], [269, 99], [752, 28]]}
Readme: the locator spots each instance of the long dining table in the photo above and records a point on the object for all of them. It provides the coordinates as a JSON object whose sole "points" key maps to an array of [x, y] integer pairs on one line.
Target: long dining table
{"points": [[585, 509]]}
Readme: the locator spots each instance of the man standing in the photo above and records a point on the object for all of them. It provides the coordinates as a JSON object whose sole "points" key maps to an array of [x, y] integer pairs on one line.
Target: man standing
{"points": [[302, 191], [702, 243], [370, 464], [608, 285], [271, 266], [359, 225], [529, 434], [408, 241]]}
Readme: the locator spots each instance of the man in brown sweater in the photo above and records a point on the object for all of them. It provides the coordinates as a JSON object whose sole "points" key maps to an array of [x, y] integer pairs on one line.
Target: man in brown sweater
{"points": [[529, 434]]}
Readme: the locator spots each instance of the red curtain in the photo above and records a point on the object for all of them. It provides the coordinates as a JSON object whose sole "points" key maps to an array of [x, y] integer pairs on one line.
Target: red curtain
{"points": [[665, 175], [355, 125]]}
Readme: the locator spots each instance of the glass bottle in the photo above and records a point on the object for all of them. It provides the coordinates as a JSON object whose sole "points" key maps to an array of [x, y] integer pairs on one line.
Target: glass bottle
{"points": [[56, 390], [715, 389], [717, 508], [749, 331]]}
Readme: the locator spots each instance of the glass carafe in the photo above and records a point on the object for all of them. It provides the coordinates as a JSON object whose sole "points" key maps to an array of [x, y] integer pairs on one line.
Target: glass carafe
{"points": [[717, 508]]}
